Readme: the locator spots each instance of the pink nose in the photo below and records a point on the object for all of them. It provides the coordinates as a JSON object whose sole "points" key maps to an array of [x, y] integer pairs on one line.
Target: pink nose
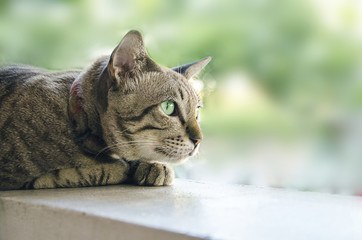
{"points": [[196, 141]]}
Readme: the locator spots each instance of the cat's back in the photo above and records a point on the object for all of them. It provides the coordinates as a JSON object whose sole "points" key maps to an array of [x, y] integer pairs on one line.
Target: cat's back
{"points": [[25, 90], [20, 77], [33, 120], [12, 78]]}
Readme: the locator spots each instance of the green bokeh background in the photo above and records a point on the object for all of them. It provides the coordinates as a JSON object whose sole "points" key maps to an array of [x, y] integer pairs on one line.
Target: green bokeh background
{"points": [[283, 93]]}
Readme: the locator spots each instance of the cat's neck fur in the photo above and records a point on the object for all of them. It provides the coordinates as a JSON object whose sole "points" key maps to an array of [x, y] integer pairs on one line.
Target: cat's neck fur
{"points": [[84, 108]]}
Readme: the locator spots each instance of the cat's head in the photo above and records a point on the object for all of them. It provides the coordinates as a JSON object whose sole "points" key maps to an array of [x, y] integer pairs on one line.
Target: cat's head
{"points": [[148, 111]]}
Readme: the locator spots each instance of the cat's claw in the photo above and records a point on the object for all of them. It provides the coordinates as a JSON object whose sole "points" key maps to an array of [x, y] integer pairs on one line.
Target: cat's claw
{"points": [[151, 173]]}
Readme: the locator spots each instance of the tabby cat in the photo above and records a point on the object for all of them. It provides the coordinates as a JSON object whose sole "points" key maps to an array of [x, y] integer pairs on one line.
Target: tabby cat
{"points": [[119, 121]]}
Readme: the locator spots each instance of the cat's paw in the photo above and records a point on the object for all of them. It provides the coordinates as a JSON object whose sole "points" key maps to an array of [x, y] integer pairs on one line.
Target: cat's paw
{"points": [[151, 173]]}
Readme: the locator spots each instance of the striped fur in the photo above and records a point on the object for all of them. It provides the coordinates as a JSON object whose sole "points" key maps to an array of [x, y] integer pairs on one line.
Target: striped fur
{"points": [[122, 95]]}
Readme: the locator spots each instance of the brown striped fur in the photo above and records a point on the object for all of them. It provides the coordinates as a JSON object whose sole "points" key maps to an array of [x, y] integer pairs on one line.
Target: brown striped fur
{"points": [[122, 95]]}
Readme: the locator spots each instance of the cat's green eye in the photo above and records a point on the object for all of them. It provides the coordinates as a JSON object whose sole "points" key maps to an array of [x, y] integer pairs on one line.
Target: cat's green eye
{"points": [[168, 107]]}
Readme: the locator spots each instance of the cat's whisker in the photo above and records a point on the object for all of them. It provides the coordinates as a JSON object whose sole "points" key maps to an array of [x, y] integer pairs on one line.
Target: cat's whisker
{"points": [[124, 144], [128, 143]]}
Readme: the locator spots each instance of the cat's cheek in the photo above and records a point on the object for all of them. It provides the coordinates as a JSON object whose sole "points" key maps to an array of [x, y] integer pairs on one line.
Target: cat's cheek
{"points": [[147, 154]]}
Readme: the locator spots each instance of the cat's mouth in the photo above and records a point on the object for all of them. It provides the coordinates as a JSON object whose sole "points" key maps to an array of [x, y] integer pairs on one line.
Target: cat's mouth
{"points": [[176, 149], [194, 151], [175, 155]]}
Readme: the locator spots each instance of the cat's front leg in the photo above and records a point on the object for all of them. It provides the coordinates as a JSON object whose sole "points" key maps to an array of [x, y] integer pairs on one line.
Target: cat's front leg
{"points": [[96, 175], [150, 173]]}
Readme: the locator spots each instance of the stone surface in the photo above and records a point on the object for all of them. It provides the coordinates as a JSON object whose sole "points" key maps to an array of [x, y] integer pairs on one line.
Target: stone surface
{"points": [[187, 210]]}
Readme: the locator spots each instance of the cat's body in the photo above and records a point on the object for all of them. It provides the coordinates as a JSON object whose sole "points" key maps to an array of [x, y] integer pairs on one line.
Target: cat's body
{"points": [[35, 135], [105, 125]]}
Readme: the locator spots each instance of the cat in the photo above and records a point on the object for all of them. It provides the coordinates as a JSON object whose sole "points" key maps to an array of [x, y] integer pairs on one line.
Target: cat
{"points": [[121, 120]]}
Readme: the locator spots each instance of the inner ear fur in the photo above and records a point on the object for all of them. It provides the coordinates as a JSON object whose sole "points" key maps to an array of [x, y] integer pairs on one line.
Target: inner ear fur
{"points": [[130, 58], [127, 60], [129, 51]]}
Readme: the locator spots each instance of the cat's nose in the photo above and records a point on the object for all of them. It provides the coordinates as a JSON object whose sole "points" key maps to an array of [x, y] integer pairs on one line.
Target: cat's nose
{"points": [[195, 140], [194, 132]]}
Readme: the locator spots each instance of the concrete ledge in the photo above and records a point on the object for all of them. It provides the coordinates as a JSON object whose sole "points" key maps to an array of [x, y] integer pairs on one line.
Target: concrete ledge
{"points": [[187, 210]]}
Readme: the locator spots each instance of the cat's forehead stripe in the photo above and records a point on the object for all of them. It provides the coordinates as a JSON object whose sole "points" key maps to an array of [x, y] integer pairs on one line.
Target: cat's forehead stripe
{"points": [[190, 92], [181, 94]]}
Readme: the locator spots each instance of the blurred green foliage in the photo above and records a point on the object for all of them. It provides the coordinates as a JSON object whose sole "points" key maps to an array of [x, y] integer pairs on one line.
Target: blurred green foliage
{"points": [[304, 71], [282, 43]]}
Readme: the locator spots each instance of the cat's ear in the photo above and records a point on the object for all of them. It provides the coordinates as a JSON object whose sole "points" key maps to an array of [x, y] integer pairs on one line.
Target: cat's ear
{"points": [[191, 69], [127, 55]]}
